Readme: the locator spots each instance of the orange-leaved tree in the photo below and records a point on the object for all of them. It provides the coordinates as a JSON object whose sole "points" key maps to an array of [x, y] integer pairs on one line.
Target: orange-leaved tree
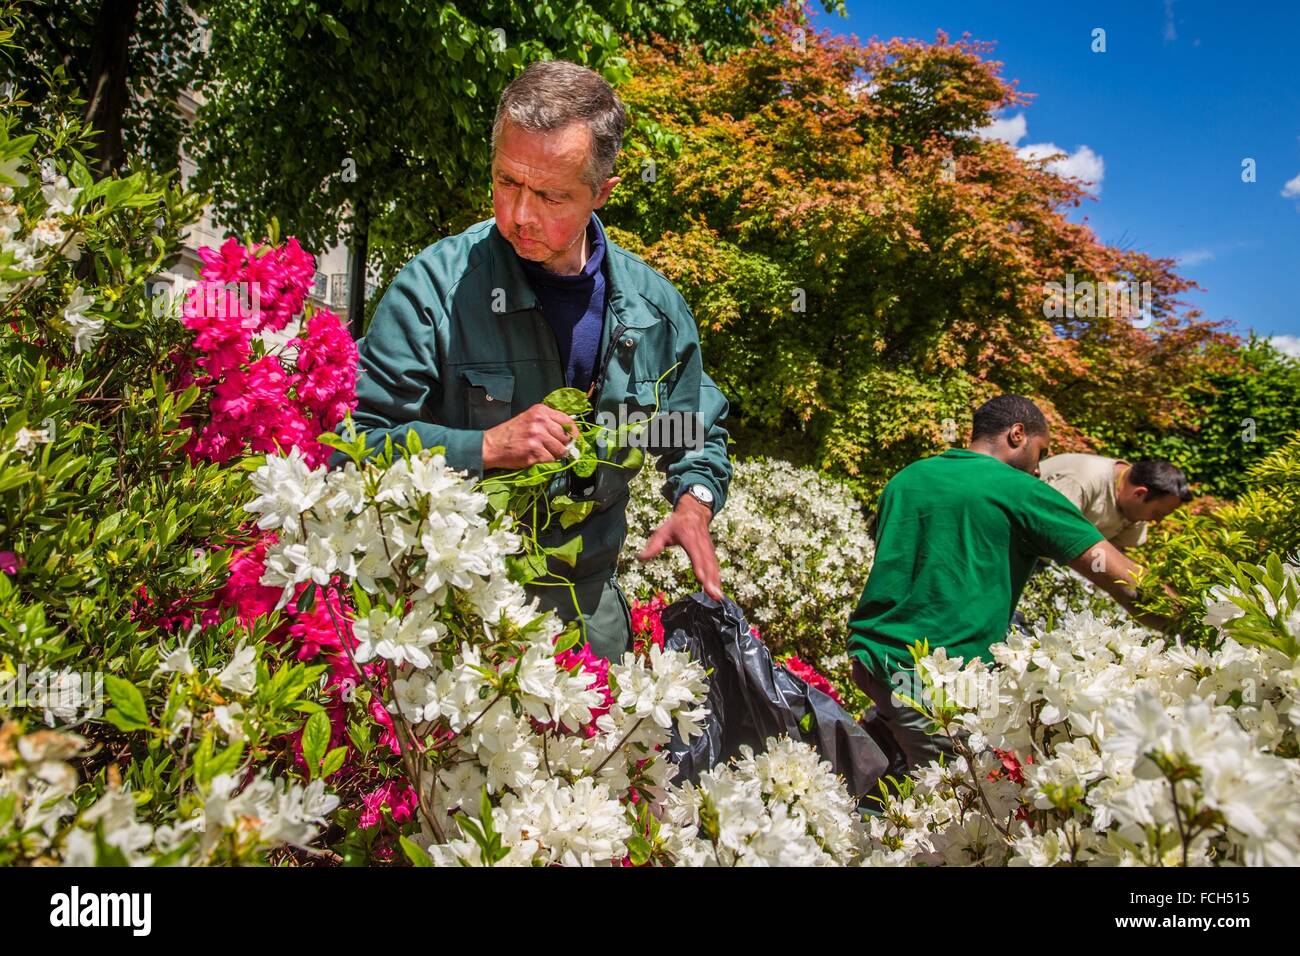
{"points": [[865, 267]]}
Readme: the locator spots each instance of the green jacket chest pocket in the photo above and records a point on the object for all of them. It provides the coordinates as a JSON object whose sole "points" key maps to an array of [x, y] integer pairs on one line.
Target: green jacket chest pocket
{"points": [[489, 397]]}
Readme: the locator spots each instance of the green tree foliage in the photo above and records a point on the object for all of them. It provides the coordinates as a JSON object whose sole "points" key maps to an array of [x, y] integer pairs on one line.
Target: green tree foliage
{"points": [[127, 62], [864, 266], [375, 115], [112, 543], [1240, 412]]}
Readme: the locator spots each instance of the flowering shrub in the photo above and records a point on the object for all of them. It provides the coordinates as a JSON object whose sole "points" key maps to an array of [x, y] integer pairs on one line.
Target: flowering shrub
{"points": [[783, 807], [1091, 744], [1261, 605], [275, 376], [792, 546], [114, 546], [228, 818], [515, 755], [1189, 550]]}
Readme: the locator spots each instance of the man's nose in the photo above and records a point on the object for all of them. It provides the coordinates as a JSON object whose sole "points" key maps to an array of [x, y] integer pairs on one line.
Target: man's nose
{"points": [[525, 207]]}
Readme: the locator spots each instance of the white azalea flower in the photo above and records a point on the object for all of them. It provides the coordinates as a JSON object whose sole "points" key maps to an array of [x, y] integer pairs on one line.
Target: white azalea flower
{"points": [[48, 232], [286, 488], [85, 330], [26, 439], [240, 675], [61, 196]]}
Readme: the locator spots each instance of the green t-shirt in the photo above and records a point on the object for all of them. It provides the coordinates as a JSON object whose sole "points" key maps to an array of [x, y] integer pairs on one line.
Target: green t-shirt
{"points": [[956, 538]]}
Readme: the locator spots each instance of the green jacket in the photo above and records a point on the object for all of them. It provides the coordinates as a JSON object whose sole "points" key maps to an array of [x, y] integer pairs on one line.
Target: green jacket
{"points": [[458, 345]]}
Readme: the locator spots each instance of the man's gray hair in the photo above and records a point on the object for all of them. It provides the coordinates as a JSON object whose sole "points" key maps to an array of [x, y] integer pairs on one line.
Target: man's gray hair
{"points": [[551, 94]]}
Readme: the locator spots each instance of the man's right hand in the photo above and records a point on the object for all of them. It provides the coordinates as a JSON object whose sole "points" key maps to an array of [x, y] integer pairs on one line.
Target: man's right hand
{"points": [[539, 434]]}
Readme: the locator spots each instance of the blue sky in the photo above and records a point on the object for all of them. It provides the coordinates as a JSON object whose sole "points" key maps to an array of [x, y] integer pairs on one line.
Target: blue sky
{"points": [[1186, 90]]}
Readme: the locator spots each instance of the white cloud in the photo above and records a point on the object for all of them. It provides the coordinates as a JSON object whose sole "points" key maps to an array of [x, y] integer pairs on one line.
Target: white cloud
{"points": [[1082, 164], [1171, 31], [861, 86], [1010, 130], [1292, 189], [1194, 257], [1290, 344]]}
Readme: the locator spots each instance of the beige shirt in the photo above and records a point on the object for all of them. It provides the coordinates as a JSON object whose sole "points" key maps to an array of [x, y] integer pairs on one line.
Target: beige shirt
{"points": [[1089, 482]]}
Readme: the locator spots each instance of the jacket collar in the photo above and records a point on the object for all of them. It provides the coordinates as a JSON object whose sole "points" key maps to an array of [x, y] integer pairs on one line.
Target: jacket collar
{"points": [[622, 305]]}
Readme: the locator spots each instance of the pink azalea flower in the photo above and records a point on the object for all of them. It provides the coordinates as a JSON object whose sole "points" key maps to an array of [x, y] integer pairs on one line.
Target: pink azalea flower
{"points": [[647, 623], [399, 799], [243, 591]]}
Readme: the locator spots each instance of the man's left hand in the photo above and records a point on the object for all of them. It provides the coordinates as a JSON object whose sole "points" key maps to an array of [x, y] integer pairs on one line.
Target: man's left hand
{"points": [[688, 528]]}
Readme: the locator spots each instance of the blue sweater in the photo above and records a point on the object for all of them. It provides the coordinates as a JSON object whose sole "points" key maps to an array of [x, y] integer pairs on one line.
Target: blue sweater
{"points": [[574, 307]]}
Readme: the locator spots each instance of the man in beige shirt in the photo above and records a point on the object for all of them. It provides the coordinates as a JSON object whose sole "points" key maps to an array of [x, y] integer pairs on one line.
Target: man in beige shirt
{"points": [[1118, 498]]}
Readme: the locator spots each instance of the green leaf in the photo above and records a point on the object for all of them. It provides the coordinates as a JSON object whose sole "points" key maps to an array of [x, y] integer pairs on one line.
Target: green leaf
{"points": [[568, 400], [333, 760], [526, 568], [13, 477], [576, 514], [105, 853], [202, 758], [567, 552], [174, 856], [634, 459], [414, 853], [122, 722], [315, 738], [226, 761], [568, 639], [18, 146], [127, 700], [335, 28], [639, 850], [119, 191], [79, 176], [356, 450]]}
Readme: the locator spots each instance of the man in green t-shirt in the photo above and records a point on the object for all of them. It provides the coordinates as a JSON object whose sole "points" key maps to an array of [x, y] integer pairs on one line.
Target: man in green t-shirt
{"points": [[956, 538]]}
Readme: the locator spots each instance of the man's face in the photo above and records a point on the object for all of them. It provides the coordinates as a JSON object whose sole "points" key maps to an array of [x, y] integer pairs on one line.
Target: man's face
{"points": [[541, 204], [1135, 507], [1027, 450]]}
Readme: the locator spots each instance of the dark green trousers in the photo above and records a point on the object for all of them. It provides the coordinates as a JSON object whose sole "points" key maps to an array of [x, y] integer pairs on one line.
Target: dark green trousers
{"points": [[604, 608]]}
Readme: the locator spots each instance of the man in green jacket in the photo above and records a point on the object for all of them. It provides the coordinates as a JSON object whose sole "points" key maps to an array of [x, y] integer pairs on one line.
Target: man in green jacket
{"points": [[480, 327], [957, 535]]}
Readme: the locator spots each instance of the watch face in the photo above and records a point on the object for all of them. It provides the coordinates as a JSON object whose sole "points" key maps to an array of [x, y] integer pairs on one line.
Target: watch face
{"points": [[701, 493]]}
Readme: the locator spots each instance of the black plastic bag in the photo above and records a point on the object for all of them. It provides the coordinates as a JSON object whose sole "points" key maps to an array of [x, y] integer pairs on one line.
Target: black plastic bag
{"points": [[751, 699]]}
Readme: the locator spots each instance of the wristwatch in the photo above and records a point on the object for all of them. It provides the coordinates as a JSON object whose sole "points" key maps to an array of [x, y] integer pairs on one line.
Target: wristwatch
{"points": [[702, 494]]}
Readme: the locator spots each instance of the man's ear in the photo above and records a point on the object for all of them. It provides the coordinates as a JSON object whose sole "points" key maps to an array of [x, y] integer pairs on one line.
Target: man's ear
{"points": [[603, 195], [1016, 435]]}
